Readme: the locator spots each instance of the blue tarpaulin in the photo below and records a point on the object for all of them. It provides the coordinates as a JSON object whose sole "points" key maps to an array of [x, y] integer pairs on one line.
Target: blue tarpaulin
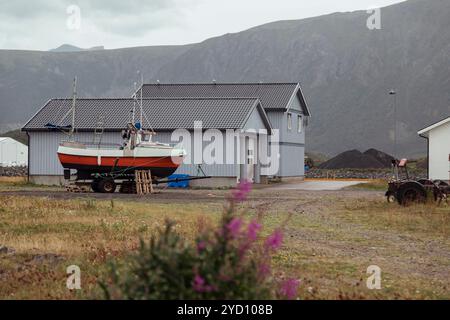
{"points": [[179, 184]]}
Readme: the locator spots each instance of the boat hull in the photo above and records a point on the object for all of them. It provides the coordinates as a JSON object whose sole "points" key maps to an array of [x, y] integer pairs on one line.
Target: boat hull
{"points": [[160, 167], [161, 163]]}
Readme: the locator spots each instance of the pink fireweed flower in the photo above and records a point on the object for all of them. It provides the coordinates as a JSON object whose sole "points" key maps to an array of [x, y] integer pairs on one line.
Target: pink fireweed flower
{"points": [[243, 249], [243, 189], [289, 288], [234, 227], [199, 283], [274, 241], [201, 245], [253, 229], [264, 270], [200, 286]]}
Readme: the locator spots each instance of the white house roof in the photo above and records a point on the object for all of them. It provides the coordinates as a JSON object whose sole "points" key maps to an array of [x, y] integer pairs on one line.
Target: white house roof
{"points": [[425, 131], [10, 140]]}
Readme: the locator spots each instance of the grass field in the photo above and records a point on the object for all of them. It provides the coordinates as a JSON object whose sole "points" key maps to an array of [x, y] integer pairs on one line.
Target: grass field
{"points": [[376, 185], [330, 241]]}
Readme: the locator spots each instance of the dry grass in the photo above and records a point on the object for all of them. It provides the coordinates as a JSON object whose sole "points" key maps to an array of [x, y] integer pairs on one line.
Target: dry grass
{"points": [[20, 184], [13, 180], [411, 245], [330, 241], [85, 232]]}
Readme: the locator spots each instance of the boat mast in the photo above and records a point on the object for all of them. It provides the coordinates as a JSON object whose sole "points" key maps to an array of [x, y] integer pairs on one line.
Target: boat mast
{"points": [[142, 111], [74, 101], [133, 119]]}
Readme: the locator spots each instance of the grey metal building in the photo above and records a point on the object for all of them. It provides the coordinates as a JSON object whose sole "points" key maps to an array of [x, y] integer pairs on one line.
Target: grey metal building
{"points": [[245, 108], [284, 104]]}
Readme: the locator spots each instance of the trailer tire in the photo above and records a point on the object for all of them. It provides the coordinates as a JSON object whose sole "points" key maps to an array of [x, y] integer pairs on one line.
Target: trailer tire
{"points": [[411, 193], [106, 185], [94, 185]]}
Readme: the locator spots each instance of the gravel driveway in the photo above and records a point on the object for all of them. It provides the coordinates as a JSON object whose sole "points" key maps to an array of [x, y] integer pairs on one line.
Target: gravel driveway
{"points": [[316, 185]]}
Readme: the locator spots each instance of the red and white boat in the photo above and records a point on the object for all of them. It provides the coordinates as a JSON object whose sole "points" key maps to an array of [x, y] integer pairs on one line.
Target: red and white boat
{"points": [[137, 153]]}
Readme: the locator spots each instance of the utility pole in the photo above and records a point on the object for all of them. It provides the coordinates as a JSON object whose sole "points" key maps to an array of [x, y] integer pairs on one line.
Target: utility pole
{"points": [[393, 93]]}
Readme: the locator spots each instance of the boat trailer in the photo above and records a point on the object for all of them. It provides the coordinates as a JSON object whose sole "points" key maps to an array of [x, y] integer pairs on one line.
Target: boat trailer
{"points": [[129, 183]]}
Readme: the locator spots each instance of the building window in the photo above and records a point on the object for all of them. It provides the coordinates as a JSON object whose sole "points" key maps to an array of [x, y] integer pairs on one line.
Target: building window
{"points": [[300, 124], [289, 121]]}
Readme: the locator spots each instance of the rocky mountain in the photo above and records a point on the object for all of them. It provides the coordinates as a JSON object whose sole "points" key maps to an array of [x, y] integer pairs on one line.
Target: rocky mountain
{"points": [[346, 71]]}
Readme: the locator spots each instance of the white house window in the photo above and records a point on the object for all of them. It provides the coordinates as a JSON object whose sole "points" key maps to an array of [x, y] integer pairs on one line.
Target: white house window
{"points": [[300, 124], [289, 121]]}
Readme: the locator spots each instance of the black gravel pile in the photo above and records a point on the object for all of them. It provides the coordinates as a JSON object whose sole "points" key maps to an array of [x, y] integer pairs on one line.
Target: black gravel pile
{"points": [[384, 158], [355, 159]]}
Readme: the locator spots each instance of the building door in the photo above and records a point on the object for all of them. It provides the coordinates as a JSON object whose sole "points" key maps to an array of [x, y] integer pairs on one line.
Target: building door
{"points": [[248, 169], [250, 148]]}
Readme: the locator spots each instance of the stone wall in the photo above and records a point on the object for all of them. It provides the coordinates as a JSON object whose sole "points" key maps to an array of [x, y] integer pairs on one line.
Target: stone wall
{"points": [[13, 171], [361, 174]]}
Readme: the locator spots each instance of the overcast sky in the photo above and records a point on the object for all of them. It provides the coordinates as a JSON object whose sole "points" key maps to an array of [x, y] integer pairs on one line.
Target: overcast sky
{"points": [[46, 24]]}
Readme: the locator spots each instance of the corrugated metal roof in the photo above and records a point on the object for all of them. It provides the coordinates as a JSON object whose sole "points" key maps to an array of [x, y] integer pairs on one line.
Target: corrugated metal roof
{"points": [[162, 113], [273, 96]]}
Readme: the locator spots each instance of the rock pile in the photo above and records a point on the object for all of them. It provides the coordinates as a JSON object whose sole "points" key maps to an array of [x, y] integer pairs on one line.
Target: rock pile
{"points": [[13, 171], [383, 174]]}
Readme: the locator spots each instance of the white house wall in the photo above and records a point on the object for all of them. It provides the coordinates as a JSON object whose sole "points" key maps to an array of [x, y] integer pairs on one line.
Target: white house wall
{"points": [[439, 139], [44, 160], [13, 153]]}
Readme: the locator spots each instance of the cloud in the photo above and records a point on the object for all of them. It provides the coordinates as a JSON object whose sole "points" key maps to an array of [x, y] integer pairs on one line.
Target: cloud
{"points": [[131, 18], [23, 10], [42, 24], [45, 21]]}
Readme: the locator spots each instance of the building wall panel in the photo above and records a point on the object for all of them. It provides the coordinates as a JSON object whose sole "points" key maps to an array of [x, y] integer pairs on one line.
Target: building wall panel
{"points": [[13, 153], [44, 160], [439, 153]]}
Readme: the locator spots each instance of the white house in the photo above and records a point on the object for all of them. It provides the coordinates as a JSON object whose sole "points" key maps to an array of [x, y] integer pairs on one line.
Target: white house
{"points": [[438, 137], [12, 153]]}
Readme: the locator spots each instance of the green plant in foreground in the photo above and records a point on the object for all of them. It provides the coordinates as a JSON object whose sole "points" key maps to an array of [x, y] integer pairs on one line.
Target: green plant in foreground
{"points": [[230, 262]]}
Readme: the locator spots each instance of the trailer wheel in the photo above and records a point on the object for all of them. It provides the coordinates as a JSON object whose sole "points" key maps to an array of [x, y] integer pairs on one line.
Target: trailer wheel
{"points": [[411, 193], [106, 186], [94, 185]]}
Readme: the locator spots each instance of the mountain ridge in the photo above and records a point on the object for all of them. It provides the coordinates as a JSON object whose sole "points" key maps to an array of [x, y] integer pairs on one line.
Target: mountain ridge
{"points": [[345, 69], [71, 48]]}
